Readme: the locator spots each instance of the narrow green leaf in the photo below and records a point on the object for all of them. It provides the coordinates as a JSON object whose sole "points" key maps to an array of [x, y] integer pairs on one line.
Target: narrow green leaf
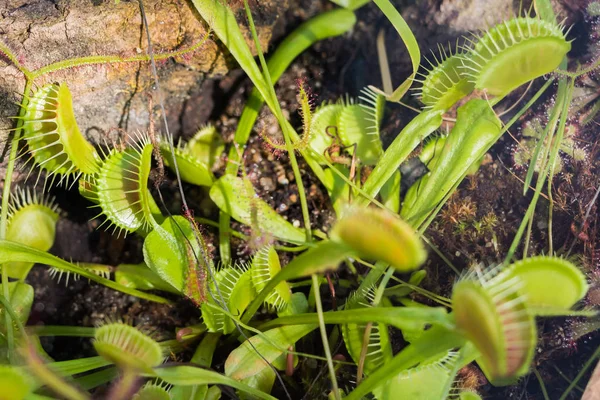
{"points": [[245, 361], [10, 251], [95, 379], [410, 318], [409, 41], [73, 367], [236, 197], [390, 193], [414, 133], [328, 24], [186, 375], [205, 350], [434, 341], [475, 131]]}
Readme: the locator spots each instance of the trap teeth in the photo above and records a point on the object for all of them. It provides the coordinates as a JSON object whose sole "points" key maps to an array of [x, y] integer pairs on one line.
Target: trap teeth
{"points": [[127, 347], [55, 142], [515, 52], [493, 315]]}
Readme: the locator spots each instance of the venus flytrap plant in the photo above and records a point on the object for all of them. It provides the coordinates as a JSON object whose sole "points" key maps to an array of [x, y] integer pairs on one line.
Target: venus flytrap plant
{"points": [[501, 326]]}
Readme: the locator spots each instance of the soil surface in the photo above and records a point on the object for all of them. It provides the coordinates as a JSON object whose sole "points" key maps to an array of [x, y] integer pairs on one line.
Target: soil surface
{"points": [[476, 226]]}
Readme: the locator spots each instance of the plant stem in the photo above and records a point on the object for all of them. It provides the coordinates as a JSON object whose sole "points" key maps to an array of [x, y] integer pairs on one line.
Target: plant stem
{"points": [[583, 370], [563, 101], [541, 381], [284, 126], [316, 290], [10, 167]]}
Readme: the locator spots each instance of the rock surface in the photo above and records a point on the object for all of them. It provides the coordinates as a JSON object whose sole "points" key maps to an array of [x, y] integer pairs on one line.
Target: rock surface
{"points": [[109, 96]]}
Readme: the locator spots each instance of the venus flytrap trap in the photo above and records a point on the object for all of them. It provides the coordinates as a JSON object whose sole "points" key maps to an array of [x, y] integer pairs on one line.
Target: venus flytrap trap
{"points": [[265, 265], [377, 234], [32, 222], [515, 52], [444, 83], [152, 392], [121, 187], [53, 137], [15, 384], [127, 347], [377, 342]]}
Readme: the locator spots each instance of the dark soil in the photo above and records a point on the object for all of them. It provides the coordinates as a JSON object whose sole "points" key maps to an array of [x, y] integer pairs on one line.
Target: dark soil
{"points": [[332, 69]]}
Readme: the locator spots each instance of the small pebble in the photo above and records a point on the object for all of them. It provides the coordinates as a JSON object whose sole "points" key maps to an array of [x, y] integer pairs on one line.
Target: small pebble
{"points": [[267, 183], [293, 198], [296, 223], [282, 180]]}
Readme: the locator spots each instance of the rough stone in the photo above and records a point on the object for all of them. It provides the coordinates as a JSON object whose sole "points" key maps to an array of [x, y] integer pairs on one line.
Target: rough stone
{"points": [[108, 96]]}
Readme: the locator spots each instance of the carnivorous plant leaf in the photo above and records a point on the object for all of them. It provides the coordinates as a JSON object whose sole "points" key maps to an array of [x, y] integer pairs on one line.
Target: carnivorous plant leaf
{"points": [[265, 266], [428, 380], [378, 343], [445, 83], [237, 198], [244, 361], [325, 255], [171, 249], [152, 392], [414, 133], [515, 52], [476, 129], [493, 315], [551, 282], [52, 134], [206, 145], [121, 187], [32, 222], [127, 347], [377, 234], [191, 168], [139, 276], [233, 286]]}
